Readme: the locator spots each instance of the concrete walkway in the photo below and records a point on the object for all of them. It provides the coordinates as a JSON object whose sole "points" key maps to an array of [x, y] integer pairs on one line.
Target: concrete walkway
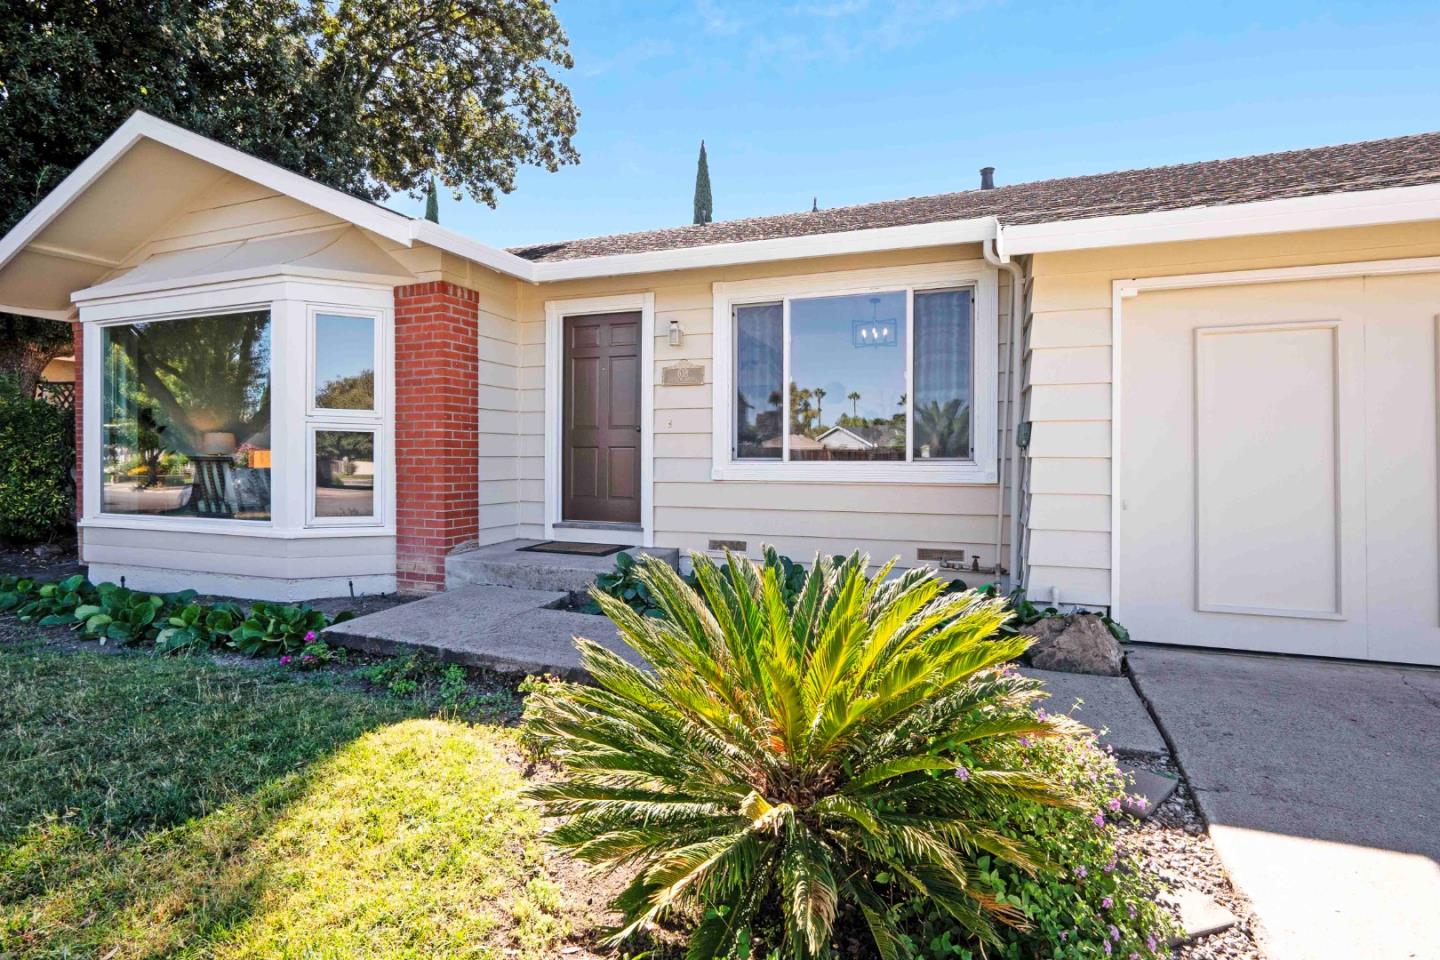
{"points": [[1109, 705], [508, 629], [1321, 784]]}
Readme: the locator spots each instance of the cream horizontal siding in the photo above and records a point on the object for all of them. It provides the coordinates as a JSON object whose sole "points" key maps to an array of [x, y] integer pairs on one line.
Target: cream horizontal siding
{"points": [[1068, 348], [500, 398], [691, 509]]}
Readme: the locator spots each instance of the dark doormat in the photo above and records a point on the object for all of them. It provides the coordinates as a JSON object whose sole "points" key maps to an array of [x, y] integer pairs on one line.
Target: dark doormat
{"points": [[574, 549]]}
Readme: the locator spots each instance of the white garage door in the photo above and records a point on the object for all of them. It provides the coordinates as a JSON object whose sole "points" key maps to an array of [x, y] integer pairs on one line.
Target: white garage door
{"points": [[1278, 468]]}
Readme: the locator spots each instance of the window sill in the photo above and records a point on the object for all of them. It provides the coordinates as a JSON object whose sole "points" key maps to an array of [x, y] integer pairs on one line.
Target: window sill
{"points": [[233, 528], [925, 473]]}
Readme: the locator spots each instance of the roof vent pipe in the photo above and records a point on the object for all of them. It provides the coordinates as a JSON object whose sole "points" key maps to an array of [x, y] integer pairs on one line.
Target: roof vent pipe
{"points": [[987, 178]]}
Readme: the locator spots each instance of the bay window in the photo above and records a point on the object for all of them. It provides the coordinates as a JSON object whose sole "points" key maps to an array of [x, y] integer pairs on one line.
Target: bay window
{"points": [[880, 374], [268, 413]]}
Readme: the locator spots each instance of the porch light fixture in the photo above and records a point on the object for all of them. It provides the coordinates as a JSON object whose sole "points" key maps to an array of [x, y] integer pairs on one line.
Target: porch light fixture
{"points": [[676, 335]]}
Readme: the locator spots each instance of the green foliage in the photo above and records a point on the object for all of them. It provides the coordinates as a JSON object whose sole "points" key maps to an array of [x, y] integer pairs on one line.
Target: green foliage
{"points": [[368, 96], [625, 584], [272, 629], [784, 769], [432, 203], [174, 623], [1103, 894], [704, 206], [35, 460], [314, 655]]}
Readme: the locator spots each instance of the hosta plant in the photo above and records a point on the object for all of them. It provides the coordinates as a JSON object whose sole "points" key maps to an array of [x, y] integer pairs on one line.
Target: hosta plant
{"points": [[782, 773]]}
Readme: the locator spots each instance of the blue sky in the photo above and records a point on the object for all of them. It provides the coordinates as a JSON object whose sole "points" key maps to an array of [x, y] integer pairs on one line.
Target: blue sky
{"points": [[861, 100]]}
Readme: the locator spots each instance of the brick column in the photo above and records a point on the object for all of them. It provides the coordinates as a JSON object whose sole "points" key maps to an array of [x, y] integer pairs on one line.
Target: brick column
{"points": [[437, 424], [78, 331]]}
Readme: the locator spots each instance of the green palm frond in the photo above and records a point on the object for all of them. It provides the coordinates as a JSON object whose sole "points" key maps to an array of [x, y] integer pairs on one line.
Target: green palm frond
{"points": [[784, 748]]}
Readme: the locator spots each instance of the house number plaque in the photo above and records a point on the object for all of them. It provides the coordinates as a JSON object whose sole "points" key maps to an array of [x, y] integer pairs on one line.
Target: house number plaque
{"points": [[683, 374]]}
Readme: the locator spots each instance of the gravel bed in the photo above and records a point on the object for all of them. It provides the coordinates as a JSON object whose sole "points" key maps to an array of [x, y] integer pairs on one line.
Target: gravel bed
{"points": [[1178, 848]]}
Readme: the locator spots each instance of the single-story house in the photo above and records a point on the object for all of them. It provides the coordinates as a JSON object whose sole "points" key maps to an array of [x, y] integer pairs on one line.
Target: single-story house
{"points": [[1183, 394]]}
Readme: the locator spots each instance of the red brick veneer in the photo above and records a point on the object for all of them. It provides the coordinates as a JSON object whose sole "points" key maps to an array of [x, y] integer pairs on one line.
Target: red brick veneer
{"points": [[437, 422]]}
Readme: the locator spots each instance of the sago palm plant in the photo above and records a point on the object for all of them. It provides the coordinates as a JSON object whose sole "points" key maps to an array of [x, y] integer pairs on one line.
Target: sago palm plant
{"points": [[781, 766]]}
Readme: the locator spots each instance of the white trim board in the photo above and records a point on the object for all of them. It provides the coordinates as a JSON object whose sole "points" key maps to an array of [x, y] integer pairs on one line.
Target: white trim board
{"points": [[982, 469], [555, 313], [1125, 289]]}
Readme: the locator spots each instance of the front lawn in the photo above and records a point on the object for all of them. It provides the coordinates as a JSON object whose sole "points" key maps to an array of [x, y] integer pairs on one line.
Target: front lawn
{"points": [[183, 807]]}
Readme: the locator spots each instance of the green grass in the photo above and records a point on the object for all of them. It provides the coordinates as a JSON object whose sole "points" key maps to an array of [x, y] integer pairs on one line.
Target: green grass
{"points": [[153, 807]]}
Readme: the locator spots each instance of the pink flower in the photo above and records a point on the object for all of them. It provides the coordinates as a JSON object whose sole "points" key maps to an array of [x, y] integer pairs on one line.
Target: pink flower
{"points": [[285, 660], [310, 636], [1081, 872], [1107, 903], [1113, 804], [1099, 819], [962, 774], [1108, 951], [1114, 933], [1109, 867]]}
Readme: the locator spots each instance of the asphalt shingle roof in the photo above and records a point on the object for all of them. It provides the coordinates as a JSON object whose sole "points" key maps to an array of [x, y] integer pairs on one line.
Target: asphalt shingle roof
{"points": [[1371, 165]]}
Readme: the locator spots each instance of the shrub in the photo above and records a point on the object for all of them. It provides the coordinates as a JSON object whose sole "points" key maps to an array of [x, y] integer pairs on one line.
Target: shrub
{"points": [[784, 768], [35, 460], [175, 622]]}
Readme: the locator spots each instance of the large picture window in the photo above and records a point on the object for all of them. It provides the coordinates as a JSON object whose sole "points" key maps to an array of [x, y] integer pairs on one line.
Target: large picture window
{"points": [[185, 417], [845, 383]]}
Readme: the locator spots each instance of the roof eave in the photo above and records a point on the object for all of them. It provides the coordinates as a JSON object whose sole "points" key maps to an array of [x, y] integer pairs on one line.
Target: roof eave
{"points": [[778, 248], [1328, 211]]}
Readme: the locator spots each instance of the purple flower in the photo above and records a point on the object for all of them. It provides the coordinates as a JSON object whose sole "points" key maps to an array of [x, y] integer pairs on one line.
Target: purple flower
{"points": [[1109, 867], [308, 658], [1108, 951], [310, 636], [1040, 714], [1024, 741], [285, 660], [1114, 933], [1150, 943], [1099, 819], [962, 774], [1081, 872], [1064, 935], [1130, 909], [1107, 903], [1113, 804], [1134, 955]]}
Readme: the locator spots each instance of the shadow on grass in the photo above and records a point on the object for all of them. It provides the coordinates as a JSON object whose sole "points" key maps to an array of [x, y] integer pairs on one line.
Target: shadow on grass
{"points": [[152, 807]]}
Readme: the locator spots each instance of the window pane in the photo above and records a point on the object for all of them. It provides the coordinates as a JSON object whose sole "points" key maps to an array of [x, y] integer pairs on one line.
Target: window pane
{"points": [[344, 473], [186, 417], [847, 378], [759, 379], [942, 374], [344, 362]]}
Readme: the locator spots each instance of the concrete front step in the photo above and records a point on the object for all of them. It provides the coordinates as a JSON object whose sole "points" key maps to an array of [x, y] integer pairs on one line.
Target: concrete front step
{"points": [[500, 628], [507, 565]]}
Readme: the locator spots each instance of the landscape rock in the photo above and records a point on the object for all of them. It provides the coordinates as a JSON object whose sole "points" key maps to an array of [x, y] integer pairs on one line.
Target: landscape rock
{"points": [[1078, 643]]}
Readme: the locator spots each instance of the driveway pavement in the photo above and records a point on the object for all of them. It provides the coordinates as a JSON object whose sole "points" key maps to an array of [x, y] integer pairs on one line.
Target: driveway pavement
{"points": [[1321, 784]]}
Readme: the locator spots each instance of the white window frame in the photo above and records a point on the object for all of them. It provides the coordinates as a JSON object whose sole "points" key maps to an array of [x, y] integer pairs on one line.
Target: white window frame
{"points": [[314, 426], [312, 353], [291, 302], [980, 468]]}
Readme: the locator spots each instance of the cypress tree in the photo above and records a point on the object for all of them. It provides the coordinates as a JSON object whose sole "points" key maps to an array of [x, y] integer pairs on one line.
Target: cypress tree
{"points": [[703, 207], [432, 203]]}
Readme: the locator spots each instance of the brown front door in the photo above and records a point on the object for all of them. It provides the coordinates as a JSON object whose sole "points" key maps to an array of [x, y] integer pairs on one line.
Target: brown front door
{"points": [[601, 429]]}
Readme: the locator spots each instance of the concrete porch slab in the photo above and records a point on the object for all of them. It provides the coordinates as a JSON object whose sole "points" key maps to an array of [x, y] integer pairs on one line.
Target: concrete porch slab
{"points": [[1109, 705], [507, 564], [499, 628]]}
